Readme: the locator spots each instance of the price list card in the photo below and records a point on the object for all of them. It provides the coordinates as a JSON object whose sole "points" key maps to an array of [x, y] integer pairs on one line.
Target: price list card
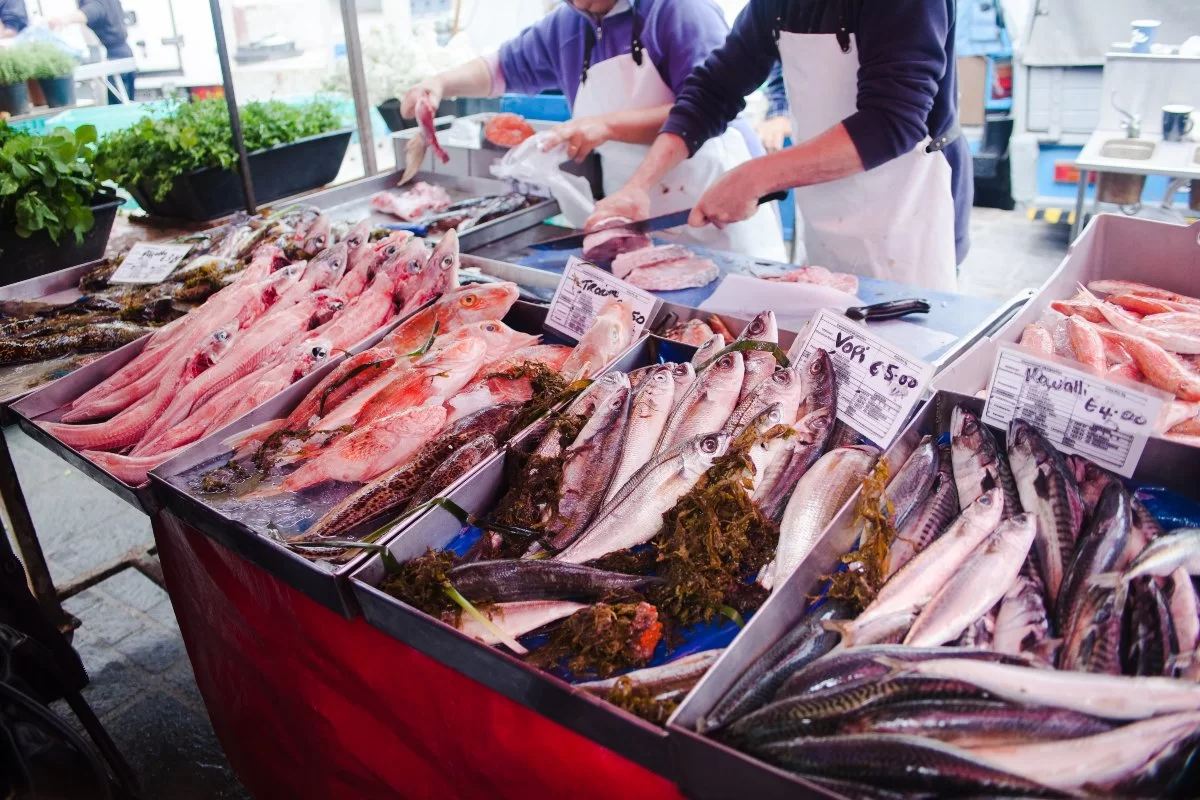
{"points": [[1077, 411], [878, 384], [583, 291], [149, 263]]}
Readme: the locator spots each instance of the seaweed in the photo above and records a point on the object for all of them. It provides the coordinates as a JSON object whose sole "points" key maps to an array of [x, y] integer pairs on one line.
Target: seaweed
{"points": [[601, 639], [637, 561], [524, 503], [421, 583], [222, 478], [640, 701], [866, 567], [201, 282]]}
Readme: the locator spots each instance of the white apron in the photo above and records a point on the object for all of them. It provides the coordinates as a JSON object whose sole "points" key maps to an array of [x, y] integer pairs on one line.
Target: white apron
{"points": [[619, 84], [895, 221]]}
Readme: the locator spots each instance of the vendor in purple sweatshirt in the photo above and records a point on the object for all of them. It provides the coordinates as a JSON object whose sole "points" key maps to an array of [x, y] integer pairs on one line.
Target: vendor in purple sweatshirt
{"points": [[881, 171], [621, 65]]}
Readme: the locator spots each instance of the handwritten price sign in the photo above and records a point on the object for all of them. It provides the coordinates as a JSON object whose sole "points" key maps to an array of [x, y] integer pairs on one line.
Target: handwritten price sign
{"points": [[584, 289], [1078, 412], [150, 263], [878, 384]]}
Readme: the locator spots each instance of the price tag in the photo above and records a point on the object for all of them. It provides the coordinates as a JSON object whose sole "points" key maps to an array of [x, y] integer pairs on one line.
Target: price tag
{"points": [[584, 289], [150, 263], [878, 384], [1078, 412]]}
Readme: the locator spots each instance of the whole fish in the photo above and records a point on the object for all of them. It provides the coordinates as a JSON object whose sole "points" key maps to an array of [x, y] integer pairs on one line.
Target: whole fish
{"points": [[1161, 368], [706, 405], [911, 763], [674, 676], [516, 619], [1101, 548], [1164, 555], [317, 237], [634, 516], [912, 482], [647, 416], [759, 364], [1108, 696], [707, 351], [980, 581], [1146, 528], [929, 518], [460, 463], [819, 495], [978, 462], [1022, 624], [1093, 642], [1141, 289], [425, 112], [523, 350], [684, 375], [1049, 492], [439, 275], [1036, 338], [1147, 643], [975, 723], [1087, 344], [509, 580], [587, 470], [1128, 324], [131, 470], [803, 644], [393, 489], [610, 334], [766, 447], [1090, 762], [95, 338], [919, 580], [454, 309], [783, 387], [1184, 608]]}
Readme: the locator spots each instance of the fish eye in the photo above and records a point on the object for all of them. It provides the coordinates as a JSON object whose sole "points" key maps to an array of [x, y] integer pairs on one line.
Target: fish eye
{"points": [[447, 261], [709, 444], [468, 300], [491, 328], [756, 327], [390, 250], [726, 362]]}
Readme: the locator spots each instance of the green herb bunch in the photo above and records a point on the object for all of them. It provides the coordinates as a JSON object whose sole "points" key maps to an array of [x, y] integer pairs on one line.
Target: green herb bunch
{"points": [[15, 67], [158, 149], [47, 182], [47, 60]]}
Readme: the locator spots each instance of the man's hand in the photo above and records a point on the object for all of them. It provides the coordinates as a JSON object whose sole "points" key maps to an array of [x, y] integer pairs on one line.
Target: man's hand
{"points": [[732, 198], [631, 203], [773, 131], [430, 88], [581, 136]]}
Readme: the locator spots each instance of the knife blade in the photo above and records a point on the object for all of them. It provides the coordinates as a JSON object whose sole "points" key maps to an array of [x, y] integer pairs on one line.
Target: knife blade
{"points": [[575, 240]]}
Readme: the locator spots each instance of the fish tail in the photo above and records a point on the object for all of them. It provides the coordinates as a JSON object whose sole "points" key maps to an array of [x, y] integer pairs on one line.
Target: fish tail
{"points": [[895, 666]]}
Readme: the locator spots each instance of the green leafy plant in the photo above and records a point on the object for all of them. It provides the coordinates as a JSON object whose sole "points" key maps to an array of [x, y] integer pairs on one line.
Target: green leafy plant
{"points": [[15, 66], [158, 149], [47, 182], [47, 61]]}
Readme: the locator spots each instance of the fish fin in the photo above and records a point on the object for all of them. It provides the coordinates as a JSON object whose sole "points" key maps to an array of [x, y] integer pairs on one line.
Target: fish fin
{"points": [[895, 666], [842, 627], [1106, 580]]}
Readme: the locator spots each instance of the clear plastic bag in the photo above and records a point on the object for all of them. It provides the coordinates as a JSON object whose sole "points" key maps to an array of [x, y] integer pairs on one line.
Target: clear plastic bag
{"points": [[528, 164]]}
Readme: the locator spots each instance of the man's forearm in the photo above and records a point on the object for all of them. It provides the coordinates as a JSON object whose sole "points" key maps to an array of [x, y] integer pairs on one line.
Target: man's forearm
{"points": [[637, 125], [667, 151], [472, 79], [824, 158]]}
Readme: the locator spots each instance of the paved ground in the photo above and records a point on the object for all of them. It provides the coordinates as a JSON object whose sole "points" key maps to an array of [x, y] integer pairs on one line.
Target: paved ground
{"points": [[142, 684]]}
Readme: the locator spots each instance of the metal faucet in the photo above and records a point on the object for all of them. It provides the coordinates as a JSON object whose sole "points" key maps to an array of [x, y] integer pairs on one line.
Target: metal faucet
{"points": [[1130, 123]]}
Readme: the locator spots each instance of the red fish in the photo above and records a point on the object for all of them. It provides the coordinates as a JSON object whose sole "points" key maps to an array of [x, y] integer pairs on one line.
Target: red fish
{"points": [[425, 113]]}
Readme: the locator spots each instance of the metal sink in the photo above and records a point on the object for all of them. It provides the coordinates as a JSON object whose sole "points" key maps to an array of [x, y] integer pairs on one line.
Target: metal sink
{"points": [[1129, 149]]}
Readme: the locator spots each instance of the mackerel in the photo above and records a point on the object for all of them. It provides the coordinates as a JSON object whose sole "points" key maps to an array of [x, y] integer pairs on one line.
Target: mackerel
{"points": [[1164, 555], [647, 416], [1022, 624], [1101, 548], [978, 463], [929, 518], [913, 481], [509, 580]]}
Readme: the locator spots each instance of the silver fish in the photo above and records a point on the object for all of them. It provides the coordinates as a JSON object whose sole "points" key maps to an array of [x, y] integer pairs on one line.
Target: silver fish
{"points": [[1093, 642], [683, 374], [1179, 548], [783, 386], [978, 584], [1049, 492], [759, 363], [634, 516], [516, 619], [682, 673], [647, 417], [1100, 549], [764, 451], [1022, 624], [798, 454], [912, 482], [929, 518], [1185, 615], [705, 352], [707, 404], [978, 463], [819, 495]]}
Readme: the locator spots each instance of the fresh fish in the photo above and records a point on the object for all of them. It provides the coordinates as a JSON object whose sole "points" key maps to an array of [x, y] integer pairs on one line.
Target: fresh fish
{"points": [[683, 375], [1049, 492], [460, 463], [803, 644], [96, 338], [394, 488], [694, 332], [1141, 289], [1162, 369], [317, 238], [1115, 697], [647, 416], [1022, 624], [766, 449], [919, 580], [1093, 642], [759, 364], [612, 240], [1184, 608], [510, 580], [587, 470], [911, 763], [1037, 339], [977, 585], [884, 629], [1164, 555], [425, 113], [456, 308], [671, 276], [783, 387], [929, 518], [819, 495], [980, 633], [706, 406], [978, 463], [1087, 344], [975, 723], [439, 275], [1175, 321], [678, 675], [913, 481], [516, 619], [610, 334], [634, 516], [707, 351], [1083, 765], [1128, 324], [1100, 549]]}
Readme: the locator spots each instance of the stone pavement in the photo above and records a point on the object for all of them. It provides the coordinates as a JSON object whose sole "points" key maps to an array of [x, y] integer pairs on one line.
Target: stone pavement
{"points": [[142, 684]]}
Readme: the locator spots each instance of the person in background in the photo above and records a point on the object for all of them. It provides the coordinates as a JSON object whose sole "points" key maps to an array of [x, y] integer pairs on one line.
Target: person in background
{"points": [[881, 170], [13, 18], [777, 125], [106, 19], [620, 64]]}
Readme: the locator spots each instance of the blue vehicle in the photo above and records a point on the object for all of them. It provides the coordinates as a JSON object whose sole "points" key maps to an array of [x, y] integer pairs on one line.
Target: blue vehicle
{"points": [[985, 63]]}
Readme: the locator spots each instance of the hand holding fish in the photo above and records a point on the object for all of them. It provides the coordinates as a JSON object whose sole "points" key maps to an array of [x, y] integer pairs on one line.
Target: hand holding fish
{"points": [[732, 198], [581, 136], [630, 202], [430, 89]]}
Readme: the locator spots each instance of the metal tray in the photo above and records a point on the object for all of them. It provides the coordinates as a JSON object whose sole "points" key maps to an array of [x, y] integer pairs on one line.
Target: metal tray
{"points": [[710, 769], [352, 201], [324, 582]]}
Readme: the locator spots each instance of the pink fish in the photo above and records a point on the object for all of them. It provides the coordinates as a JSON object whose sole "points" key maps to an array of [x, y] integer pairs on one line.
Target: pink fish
{"points": [[362, 316], [1127, 323], [1162, 369], [1037, 339], [367, 259], [425, 113], [671, 276], [1174, 321], [317, 236], [1132, 287], [455, 308], [129, 469], [552, 356], [1087, 344], [610, 335], [266, 259], [439, 275]]}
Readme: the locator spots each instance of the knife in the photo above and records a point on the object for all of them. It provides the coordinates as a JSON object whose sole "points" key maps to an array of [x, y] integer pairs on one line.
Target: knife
{"points": [[575, 240], [892, 309]]}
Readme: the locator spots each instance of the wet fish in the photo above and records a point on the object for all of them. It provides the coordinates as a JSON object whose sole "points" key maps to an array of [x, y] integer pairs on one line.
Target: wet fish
{"points": [[516, 619], [1184, 608], [803, 644], [977, 585], [438, 275], [1101, 548], [460, 463], [1087, 344], [684, 375], [678, 675], [1037, 339], [929, 518], [1126, 323], [706, 406], [767, 447], [647, 417], [1093, 642], [818, 496], [912, 482], [978, 463], [1162, 369], [634, 516], [1022, 625], [1164, 555], [1049, 492], [317, 238], [759, 364], [1141, 289], [510, 580], [425, 113], [705, 352], [919, 580], [610, 334], [783, 387], [95, 338]]}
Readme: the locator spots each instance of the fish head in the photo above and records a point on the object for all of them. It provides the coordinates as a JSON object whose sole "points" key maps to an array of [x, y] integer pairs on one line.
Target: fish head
{"points": [[970, 441], [763, 328], [358, 237], [706, 351], [499, 338], [403, 260], [445, 257], [815, 425], [597, 393], [767, 419], [477, 302], [657, 389], [1022, 439], [325, 306], [700, 453], [316, 238], [818, 380], [329, 265], [725, 374], [614, 407], [683, 375], [784, 386], [309, 355], [217, 344]]}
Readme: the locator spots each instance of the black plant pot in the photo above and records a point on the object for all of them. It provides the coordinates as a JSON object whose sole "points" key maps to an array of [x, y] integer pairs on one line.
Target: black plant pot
{"points": [[14, 98], [59, 91], [22, 259], [390, 111]]}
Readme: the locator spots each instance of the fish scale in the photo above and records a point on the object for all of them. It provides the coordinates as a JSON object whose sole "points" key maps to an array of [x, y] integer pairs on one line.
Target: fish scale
{"points": [[928, 519]]}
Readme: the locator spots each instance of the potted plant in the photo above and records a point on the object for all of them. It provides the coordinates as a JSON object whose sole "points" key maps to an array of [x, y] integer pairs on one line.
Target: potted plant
{"points": [[14, 72], [54, 71], [181, 163], [53, 212]]}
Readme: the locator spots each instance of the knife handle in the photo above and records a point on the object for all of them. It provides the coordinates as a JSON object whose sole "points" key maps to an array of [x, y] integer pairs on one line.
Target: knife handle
{"points": [[766, 198], [893, 309]]}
